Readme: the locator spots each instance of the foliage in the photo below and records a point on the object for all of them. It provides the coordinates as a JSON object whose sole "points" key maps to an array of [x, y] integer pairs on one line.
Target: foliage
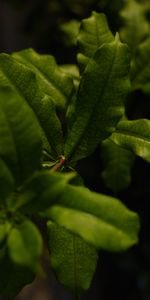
{"points": [[50, 118]]}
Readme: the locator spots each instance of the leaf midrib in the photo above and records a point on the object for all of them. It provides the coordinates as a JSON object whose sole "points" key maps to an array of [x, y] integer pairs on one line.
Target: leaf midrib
{"points": [[132, 135], [93, 110]]}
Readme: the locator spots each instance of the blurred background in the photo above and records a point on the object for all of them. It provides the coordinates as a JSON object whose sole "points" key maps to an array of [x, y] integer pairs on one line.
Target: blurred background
{"points": [[40, 25]]}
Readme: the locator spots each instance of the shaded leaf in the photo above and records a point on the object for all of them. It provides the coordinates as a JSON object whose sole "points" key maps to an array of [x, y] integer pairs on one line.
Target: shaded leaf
{"points": [[51, 79], [94, 32], [42, 190], [25, 245], [136, 26], [73, 260], [140, 68], [100, 101], [24, 82], [70, 31], [135, 136], [13, 277], [117, 163], [20, 139], [7, 183]]}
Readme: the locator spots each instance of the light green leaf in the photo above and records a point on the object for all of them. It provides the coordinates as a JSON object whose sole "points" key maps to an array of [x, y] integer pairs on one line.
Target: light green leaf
{"points": [[73, 71], [25, 83], [73, 260], [100, 101], [70, 30], [140, 68], [136, 27], [25, 245], [100, 220], [20, 139], [94, 32], [51, 79], [117, 163], [135, 136]]}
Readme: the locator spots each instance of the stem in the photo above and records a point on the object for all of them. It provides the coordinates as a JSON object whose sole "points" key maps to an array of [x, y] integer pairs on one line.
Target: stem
{"points": [[59, 164]]}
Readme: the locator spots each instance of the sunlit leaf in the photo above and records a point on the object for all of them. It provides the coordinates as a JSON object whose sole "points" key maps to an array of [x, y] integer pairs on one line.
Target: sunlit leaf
{"points": [[135, 136]]}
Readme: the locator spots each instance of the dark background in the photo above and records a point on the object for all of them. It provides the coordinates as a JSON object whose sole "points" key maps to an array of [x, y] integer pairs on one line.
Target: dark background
{"points": [[36, 24]]}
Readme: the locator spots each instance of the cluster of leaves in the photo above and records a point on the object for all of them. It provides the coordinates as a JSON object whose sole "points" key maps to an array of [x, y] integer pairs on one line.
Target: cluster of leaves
{"points": [[51, 117]]}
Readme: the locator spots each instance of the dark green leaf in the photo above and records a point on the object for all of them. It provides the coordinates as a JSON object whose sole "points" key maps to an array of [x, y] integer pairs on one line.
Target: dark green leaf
{"points": [[51, 79], [7, 184], [140, 68], [117, 163], [136, 27], [25, 245], [94, 32], [13, 278], [100, 101], [73, 260], [135, 136], [20, 139], [25, 83]]}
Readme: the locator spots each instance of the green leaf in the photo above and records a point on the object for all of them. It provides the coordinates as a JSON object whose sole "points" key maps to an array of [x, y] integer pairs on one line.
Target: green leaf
{"points": [[41, 191], [135, 136], [70, 31], [94, 32], [73, 71], [51, 79], [5, 227], [7, 183], [136, 27], [100, 220], [100, 101], [25, 83], [140, 68], [25, 245], [20, 139], [13, 278], [117, 163], [73, 260]]}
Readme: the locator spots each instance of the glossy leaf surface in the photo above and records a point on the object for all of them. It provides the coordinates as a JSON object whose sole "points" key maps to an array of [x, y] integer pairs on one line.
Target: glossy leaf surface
{"points": [[134, 135], [25, 83], [99, 219], [51, 79], [100, 101]]}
